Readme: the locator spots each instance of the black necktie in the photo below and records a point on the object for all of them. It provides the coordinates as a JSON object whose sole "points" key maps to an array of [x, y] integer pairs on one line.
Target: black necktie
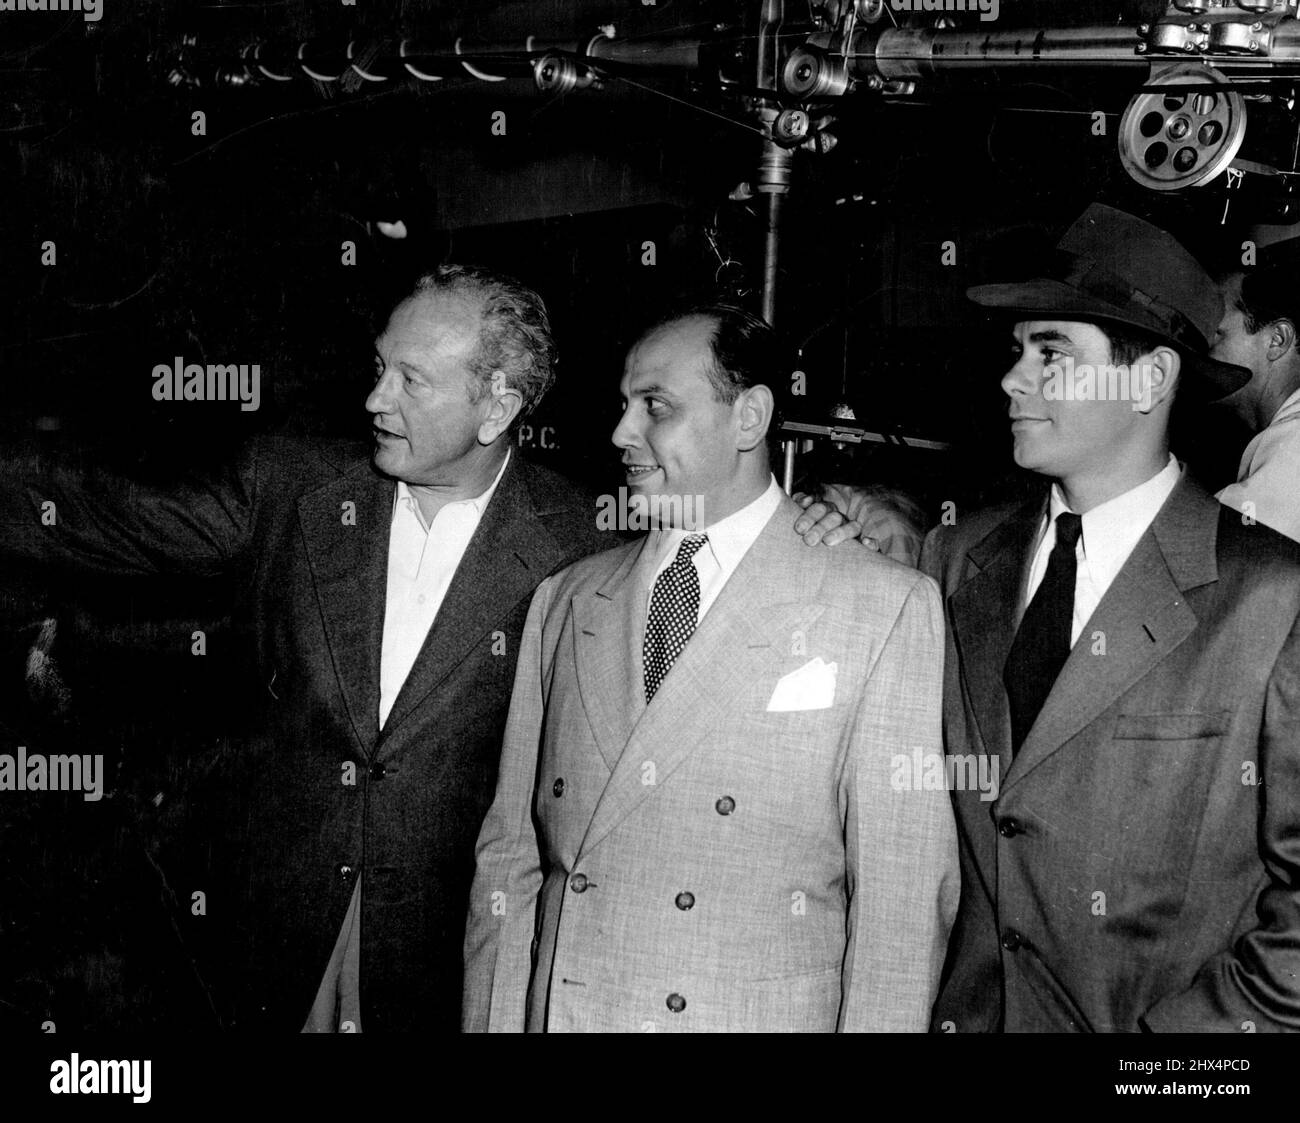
{"points": [[674, 609], [1043, 642]]}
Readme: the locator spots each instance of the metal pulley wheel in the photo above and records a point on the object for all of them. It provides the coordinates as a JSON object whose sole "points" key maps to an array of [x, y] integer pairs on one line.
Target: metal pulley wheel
{"points": [[1186, 136]]}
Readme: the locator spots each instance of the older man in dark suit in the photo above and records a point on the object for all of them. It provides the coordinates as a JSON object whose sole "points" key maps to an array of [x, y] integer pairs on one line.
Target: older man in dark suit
{"points": [[386, 595], [1126, 654]]}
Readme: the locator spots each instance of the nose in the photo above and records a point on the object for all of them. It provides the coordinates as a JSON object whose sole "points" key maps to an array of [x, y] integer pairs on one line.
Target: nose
{"points": [[380, 398], [627, 433], [1022, 379]]}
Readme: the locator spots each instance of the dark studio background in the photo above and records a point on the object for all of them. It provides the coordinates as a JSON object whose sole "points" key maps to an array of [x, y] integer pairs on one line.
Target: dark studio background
{"points": [[226, 249]]}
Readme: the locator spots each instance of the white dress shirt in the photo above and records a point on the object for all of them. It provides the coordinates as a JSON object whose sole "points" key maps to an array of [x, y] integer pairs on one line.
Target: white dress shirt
{"points": [[422, 560], [1110, 532], [729, 540], [1269, 478]]}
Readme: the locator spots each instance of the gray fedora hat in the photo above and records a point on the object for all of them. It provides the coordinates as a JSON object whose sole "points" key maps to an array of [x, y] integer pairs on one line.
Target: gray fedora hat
{"points": [[1115, 268]]}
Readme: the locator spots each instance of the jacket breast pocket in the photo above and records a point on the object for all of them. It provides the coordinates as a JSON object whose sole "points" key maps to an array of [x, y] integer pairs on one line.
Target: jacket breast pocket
{"points": [[1172, 727]]}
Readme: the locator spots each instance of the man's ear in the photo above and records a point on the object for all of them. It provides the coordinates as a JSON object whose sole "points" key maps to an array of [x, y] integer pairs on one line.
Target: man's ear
{"points": [[1281, 339], [756, 408], [503, 405], [1156, 375]]}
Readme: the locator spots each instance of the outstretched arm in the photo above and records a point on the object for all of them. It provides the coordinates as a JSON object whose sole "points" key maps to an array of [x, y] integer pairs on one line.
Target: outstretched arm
{"points": [[92, 521]]}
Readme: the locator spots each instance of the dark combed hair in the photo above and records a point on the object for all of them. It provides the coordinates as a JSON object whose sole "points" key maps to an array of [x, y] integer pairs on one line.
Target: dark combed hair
{"points": [[746, 350], [1128, 344], [514, 329], [1271, 292]]}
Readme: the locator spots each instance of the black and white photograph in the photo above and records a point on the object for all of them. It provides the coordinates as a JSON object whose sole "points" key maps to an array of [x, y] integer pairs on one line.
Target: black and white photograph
{"points": [[649, 516]]}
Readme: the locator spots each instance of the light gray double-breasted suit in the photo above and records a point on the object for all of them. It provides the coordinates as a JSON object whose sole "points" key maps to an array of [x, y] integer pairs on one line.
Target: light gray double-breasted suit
{"points": [[705, 862]]}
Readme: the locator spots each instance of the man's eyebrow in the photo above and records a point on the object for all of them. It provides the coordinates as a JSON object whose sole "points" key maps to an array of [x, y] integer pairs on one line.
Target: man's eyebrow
{"points": [[402, 364], [652, 388], [1049, 336], [406, 366]]}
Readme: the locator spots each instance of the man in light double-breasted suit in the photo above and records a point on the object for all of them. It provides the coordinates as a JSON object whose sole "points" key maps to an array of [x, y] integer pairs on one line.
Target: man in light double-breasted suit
{"points": [[701, 821]]}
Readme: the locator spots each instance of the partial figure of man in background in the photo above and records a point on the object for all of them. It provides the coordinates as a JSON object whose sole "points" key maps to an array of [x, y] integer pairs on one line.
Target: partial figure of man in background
{"points": [[1259, 332]]}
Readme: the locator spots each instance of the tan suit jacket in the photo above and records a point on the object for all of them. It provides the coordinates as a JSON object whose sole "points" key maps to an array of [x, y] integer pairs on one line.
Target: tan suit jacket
{"points": [[703, 863]]}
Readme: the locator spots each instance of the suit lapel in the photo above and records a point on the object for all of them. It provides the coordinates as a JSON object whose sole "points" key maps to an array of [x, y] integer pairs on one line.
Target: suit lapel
{"points": [[700, 693], [349, 565], [984, 615], [509, 555], [1141, 619], [610, 624]]}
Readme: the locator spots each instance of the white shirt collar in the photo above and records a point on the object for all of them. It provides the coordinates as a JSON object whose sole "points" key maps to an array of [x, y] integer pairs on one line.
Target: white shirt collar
{"points": [[1288, 409], [729, 538], [1112, 529], [476, 505]]}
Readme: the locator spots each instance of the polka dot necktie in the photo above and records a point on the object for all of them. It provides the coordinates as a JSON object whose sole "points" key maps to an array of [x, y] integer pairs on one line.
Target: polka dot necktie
{"points": [[674, 609], [1042, 643]]}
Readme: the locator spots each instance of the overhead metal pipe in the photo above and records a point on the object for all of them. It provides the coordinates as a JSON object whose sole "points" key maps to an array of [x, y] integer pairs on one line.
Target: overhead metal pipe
{"points": [[386, 59], [829, 62]]}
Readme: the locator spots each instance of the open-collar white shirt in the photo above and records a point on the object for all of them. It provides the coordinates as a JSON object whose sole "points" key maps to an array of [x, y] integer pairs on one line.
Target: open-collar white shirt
{"points": [[422, 560]]}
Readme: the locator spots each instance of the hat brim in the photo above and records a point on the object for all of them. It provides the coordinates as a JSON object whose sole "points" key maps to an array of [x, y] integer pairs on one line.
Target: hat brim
{"points": [[1209, 380]]}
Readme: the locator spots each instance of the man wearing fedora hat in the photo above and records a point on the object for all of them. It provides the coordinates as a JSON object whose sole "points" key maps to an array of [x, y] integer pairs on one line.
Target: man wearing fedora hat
{"points": [[1129, 653]]}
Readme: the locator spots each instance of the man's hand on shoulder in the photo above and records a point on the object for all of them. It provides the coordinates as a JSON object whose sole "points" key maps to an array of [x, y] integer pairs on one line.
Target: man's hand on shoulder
{"points": [[822, 523]]}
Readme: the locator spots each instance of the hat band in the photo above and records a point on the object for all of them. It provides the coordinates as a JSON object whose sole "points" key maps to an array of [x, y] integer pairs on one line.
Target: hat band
{"points": [[1086, 274]]}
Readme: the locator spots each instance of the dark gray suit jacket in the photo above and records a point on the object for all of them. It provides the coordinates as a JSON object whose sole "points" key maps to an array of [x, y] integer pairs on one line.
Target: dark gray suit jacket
{"points": [[314, 586], [1140, 867]]}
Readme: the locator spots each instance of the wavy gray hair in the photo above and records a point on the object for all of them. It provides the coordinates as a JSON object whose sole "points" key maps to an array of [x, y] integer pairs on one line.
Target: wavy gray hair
{"points": [[514, 330]]}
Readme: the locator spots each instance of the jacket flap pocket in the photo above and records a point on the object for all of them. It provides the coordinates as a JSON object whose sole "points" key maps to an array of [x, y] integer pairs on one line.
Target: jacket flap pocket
{"points": [[1171, 727]]}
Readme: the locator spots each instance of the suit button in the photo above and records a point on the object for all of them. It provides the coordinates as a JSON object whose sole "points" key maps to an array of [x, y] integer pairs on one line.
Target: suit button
{"points": [[685, 901], [558, 787], [725, 806], [378, 771], [1009, 828], [1012, 940], [578, 883], [676, 1003], [346, 873]]}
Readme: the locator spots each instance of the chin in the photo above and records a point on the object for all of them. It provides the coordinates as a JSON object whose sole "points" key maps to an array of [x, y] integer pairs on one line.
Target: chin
{"points": [[386, 462], [1030, 459], [637, 488]]}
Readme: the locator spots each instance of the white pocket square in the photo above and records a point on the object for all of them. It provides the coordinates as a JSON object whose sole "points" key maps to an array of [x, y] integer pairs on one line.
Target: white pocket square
{"points": [[811, 687]]}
